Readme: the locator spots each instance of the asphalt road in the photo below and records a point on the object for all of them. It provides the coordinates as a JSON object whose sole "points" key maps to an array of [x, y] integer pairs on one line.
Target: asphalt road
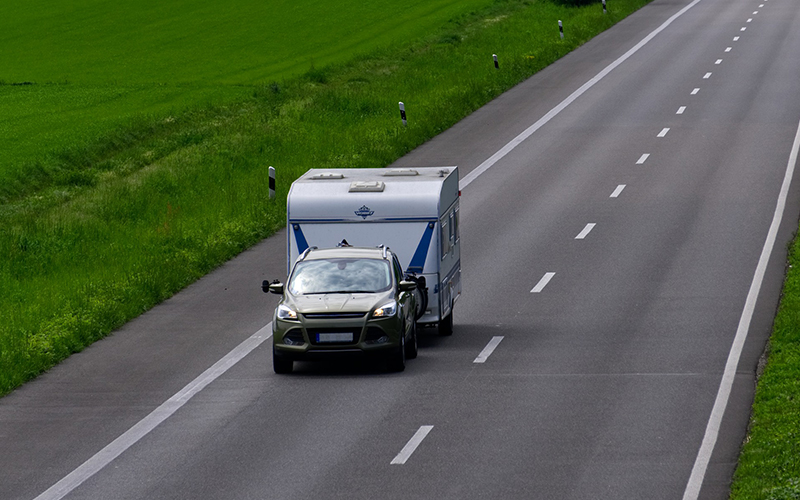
{"points": [[646, 201]]}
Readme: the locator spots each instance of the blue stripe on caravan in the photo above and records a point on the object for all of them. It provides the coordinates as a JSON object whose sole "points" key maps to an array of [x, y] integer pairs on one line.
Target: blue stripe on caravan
{"points": [[302, 244], [418, 261]]}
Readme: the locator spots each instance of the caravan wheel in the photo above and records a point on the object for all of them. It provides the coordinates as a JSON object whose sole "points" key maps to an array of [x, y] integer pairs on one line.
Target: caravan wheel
{"points": [[446, 325]]}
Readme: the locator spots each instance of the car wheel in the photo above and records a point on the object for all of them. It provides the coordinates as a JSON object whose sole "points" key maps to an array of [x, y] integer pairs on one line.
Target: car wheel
{"points": [[397, 361], [280, 364], [411, 346], [446, 325]]}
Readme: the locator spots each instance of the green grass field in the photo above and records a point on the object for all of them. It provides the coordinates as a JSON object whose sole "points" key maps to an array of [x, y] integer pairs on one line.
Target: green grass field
{"points": [[104, 224], [71, 70]]}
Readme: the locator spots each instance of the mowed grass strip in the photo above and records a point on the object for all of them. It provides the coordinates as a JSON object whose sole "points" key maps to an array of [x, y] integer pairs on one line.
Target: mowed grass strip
{"points": [[769, 466], [72, 69], [163, 201]]}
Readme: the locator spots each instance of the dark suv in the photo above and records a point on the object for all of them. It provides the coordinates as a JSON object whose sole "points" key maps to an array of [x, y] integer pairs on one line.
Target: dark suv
{"points": [[344, 300]]}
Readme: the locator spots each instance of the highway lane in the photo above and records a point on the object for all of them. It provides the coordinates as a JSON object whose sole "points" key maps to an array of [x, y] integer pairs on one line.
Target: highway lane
{"points": [[605, 378]]}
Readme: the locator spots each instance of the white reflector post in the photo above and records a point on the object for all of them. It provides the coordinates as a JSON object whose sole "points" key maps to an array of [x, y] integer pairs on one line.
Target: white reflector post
{"points": [[271, 183], [403, 113]]}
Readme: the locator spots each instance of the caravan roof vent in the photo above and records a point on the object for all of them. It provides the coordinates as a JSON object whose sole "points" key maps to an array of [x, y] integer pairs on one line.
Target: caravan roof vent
{"points": [[399, 172], [367, 187], [327, 175]]}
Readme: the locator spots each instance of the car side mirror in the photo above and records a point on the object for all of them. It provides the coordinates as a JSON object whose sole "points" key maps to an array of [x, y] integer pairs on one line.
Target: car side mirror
{"points": [[274, 287], [407, 286]]}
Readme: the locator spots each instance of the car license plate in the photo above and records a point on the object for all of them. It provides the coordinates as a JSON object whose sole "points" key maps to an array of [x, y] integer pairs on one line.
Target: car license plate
{"points": [[335, 337]]}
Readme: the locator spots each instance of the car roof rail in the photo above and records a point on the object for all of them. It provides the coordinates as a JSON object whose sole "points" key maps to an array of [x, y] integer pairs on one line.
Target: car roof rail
{"points": [[305, 253], [385, 250]]}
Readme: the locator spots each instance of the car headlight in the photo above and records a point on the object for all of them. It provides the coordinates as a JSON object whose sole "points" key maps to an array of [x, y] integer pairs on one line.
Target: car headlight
{"points": [[285, 312], [386, 310]]}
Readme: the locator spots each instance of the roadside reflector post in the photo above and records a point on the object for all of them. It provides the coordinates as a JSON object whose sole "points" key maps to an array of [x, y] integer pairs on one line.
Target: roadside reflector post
{"points": [[403, 113], [561, 29], [271, 183], [604, 6], [496, 65]]}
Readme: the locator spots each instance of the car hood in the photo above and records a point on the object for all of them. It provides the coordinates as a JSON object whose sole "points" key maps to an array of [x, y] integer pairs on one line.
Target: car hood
{"points": [[338, 302]]}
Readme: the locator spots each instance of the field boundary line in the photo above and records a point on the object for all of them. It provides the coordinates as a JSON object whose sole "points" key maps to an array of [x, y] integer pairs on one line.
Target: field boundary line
{"points": [[114, 449]]}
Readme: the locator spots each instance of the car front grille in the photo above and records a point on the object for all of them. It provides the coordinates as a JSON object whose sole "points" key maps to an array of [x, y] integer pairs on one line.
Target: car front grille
{"points": [[347, 315]]}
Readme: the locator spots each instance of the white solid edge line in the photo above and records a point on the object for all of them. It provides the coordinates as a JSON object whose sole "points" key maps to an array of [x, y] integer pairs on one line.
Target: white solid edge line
{"points": [[488, 350], [412, 445], [488, 163], [715, 420], [617, 191], [543, 282], [156, 417], [586, 230]]}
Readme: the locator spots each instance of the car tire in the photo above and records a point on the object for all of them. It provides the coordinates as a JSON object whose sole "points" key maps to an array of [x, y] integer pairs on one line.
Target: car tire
{"points": [[280, 364], [412, 349], [446, 325], [397, 360]]}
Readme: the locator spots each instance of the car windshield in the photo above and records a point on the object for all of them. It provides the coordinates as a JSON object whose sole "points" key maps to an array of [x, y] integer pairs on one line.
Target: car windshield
{"points": [[340, 276]]}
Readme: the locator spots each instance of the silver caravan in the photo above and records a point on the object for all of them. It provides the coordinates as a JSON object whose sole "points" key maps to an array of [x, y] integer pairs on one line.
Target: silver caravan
{"points": [[413, 211]]}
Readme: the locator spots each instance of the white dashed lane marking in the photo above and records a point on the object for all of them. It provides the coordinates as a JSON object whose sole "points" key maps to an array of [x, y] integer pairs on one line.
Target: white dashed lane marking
{"points": [[488, 350], [643, 159], [707, 76], [681, 110], [585, 231], [412, 445], [543, 282], [663, 132], [695, 91], [617, 191]]}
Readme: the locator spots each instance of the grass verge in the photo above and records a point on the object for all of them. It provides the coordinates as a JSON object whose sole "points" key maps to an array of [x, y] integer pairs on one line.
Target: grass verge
{"points": [[769, 466], [135, 216], [95, 65]]}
